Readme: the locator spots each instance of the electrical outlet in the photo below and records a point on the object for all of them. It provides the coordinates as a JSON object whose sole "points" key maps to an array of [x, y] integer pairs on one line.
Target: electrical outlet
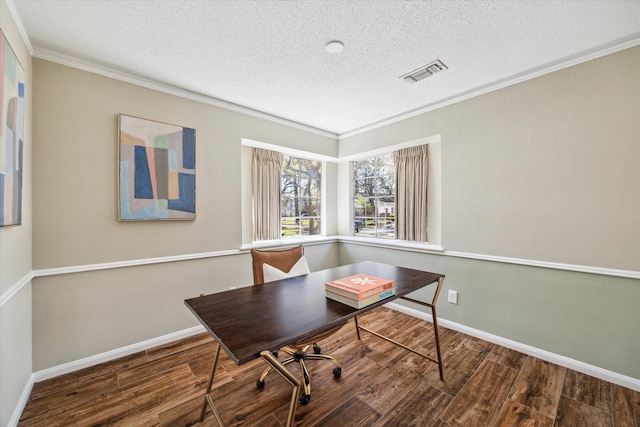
{"points": [[453, 297]]}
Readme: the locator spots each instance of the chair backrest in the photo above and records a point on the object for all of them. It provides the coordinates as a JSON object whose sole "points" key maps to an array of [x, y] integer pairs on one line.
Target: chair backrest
{"points": [[282, 259]]}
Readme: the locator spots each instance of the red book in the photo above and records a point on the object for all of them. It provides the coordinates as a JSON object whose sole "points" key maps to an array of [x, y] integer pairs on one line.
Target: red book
{"points": [[359, 286]]}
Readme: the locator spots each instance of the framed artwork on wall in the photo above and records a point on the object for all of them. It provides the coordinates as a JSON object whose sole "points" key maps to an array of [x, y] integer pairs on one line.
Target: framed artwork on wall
{"points": [[12, 89], [156, 170]]}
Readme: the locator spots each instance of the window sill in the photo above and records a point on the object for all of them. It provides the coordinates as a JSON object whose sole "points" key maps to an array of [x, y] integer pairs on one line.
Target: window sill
{"points": [[308, 240], [367, 241], [392, 243]]}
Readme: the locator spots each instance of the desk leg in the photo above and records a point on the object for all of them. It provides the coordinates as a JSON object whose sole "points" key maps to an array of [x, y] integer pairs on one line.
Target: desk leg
{"points": [[432, 306], [435, 325], [435, 331], [268, 357], [207, 396]]}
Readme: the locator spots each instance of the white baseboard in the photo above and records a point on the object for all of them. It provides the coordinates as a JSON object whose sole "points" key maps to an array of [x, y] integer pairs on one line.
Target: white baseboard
{"points": [[22, 402], [576, 365], [594, 371], [107, 356]]}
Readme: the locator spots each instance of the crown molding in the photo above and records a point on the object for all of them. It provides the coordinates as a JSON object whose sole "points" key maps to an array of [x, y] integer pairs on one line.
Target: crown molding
{"points": [[70, 61], [588, 55], [19, 25], [59, 58], [49, 55]]}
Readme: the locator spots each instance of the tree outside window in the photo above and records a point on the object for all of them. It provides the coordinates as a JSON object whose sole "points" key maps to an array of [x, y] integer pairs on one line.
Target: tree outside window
{"points": [[374, 197], [300, 197]]}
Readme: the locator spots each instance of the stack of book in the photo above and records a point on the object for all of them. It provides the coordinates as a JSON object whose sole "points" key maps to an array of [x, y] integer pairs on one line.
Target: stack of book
{"points": [[360, 290]]}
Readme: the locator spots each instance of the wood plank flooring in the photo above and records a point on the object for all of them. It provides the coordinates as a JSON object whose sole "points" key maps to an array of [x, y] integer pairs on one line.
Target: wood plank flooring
{"points": [[381, 385]]}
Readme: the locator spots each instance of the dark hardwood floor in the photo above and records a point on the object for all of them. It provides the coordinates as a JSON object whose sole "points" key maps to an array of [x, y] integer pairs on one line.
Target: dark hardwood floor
{"points": [[381, 385]]}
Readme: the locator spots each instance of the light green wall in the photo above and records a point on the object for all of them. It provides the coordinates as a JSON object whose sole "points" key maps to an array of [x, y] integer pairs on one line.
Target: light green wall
{"points": [[84, 314], [15, 259], [586, 317]]}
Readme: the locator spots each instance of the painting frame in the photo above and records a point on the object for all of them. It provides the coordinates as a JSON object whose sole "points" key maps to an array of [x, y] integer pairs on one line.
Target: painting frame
{"points": [[12, 95], [156, 170]]}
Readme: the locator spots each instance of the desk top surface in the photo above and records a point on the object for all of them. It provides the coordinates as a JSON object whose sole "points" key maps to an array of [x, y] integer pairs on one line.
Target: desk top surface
{"points": [[248, 320]]}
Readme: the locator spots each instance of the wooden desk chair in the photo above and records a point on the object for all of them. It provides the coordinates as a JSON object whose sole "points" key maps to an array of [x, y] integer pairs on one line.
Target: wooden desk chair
{"points": [[285, 261]]}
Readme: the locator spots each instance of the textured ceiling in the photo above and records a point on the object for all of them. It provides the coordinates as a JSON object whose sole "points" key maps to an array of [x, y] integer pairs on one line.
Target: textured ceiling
{"points": [[270, 55]]}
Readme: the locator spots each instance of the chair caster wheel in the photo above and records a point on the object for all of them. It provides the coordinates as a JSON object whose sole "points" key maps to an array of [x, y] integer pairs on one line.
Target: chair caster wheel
{"points": [[259, 384], [337, 372], [317, 349], [305, 398]]}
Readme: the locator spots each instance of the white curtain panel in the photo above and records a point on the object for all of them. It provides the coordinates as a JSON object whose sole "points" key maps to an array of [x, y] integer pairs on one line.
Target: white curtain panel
{"points": [[411, 192], [267, 174]]}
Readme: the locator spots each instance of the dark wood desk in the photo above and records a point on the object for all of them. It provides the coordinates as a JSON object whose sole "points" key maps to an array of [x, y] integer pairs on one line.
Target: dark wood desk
{"points": [[252, 321]]}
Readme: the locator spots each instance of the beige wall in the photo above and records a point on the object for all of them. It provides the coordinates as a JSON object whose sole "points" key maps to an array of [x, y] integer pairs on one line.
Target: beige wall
{"points": [[75, 199], [15, 260], [547, 170], [15, 242], [75, 215]]}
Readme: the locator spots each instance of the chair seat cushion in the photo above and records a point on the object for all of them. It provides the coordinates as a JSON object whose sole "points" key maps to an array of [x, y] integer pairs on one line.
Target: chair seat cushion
{"points": [[272, 274]]}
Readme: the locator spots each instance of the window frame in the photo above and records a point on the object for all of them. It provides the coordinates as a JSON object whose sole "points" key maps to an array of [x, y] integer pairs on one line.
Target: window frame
{"points": [[377, 218], [247, 216], [434, 194], [321, 200], [337, 200]]}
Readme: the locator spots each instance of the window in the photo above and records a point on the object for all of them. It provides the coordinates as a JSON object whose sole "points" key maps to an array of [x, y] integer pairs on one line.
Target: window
{"points": [[364, 190], [374, 197], [300, 197]]}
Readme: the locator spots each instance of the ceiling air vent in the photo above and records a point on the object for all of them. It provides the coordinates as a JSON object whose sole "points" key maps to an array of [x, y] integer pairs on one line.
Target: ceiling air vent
{"points": [[423, 72]]}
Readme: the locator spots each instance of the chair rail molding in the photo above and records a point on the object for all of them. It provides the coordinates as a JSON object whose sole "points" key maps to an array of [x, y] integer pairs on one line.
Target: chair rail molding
{"points": [[437, 250], [15, 288]]}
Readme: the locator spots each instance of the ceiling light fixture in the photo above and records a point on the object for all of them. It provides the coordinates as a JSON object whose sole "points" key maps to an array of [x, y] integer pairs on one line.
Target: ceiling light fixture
{"points": [[335, 46]]}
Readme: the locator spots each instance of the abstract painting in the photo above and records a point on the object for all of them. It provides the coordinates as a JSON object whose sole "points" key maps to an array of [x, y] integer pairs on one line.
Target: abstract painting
{"points": [[12, 135], [157, 170]]}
